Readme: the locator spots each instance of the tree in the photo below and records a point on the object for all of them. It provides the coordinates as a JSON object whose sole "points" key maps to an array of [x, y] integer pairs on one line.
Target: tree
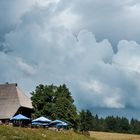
{"points": [[55, 102], [111, 123], [96, 126], [124, 125], [135, 126], [86, 120]]}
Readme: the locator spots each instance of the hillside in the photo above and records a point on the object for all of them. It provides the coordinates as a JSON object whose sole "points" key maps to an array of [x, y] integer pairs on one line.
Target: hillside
{"points": [[10, 133]]}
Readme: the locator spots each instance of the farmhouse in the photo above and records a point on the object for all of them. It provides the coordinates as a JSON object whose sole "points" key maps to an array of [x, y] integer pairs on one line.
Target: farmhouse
{"points": [[13, 101]]}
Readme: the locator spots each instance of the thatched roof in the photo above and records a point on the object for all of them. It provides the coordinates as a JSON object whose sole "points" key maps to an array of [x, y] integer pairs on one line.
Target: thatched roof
{"points": [[11, 99]]}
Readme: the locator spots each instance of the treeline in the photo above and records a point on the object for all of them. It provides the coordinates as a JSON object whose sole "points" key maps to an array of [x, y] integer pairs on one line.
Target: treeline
{"points": [[56, 102], [89, 122]]}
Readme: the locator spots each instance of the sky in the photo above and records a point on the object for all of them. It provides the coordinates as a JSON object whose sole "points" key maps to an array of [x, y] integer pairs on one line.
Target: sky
{"points": [[92, 46]]}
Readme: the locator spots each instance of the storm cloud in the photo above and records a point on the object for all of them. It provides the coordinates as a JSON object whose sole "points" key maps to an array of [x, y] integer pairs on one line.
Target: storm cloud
{"points": [[83, 44]]}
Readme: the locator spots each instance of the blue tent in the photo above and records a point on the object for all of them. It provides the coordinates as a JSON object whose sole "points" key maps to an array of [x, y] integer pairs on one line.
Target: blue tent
{"points": [[58, 122], [62, 124], [36, 123], [42, 120], [19, 117]]}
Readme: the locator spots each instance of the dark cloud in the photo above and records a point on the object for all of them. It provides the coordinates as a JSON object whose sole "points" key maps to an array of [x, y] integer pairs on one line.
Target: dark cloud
{"points": [[10, 13]]}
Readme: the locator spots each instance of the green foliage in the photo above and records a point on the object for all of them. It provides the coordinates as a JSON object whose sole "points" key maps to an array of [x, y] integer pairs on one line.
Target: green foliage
{"points": [[135, 126], [111, 123], [116, 124], [55, 102], [85, 120], [108, 124]]}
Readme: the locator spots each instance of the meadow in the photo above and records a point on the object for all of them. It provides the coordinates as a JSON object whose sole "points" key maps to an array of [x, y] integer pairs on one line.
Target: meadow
{"points": [[113, 136], [15, 133]]}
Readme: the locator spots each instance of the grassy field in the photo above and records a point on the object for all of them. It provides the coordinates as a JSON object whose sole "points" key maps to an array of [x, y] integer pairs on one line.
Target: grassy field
{"points": [[113, 136], [10, 133]]}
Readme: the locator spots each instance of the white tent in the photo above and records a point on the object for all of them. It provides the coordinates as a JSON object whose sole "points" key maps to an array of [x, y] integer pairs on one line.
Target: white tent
{"points": [[42, 120]]}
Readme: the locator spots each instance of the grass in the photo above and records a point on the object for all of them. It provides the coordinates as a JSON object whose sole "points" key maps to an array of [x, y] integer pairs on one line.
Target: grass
{"points": [[113, 136], [15, 133], [12, 133]]}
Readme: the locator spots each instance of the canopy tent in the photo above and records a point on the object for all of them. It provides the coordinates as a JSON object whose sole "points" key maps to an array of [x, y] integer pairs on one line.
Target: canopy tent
{"points": [[42, 120], [36, 123], [58, 123], [20, 120], [19, 117], [62, 124]]}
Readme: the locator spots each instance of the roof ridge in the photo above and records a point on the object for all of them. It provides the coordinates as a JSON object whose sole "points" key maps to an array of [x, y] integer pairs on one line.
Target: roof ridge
{"points": [[9, 84]]}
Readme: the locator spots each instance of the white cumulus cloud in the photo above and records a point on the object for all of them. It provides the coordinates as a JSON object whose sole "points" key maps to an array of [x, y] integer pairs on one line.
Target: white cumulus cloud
{"points": [[62, 43]]}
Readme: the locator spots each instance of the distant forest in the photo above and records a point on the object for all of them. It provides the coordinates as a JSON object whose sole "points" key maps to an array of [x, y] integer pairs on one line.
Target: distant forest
{"points": [[56, 102], [89, 122]]}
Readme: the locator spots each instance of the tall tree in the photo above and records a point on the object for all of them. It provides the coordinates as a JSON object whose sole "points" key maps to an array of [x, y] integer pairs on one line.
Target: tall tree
{"points": [[135, 126], [85, 120], [111, 123], [55, 102]]}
